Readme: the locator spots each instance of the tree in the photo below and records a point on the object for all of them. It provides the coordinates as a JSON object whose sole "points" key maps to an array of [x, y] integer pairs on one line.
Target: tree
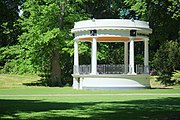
{"points": [[46, 35], [9, 15], [9, 29], [176, 77], [163, 17], [166, 61]]}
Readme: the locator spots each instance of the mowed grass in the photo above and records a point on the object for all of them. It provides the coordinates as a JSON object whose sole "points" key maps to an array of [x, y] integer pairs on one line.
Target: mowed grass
{"points": [[17, 81], [91, 107]]}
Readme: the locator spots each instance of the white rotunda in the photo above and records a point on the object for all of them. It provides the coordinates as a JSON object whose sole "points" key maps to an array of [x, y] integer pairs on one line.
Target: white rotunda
{"points": [[122, 76]]}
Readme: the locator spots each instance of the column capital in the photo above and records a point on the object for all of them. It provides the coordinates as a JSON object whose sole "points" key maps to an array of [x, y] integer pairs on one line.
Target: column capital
{"points": [[131, 37], [146, 39], [76, 39], [94, 37]]}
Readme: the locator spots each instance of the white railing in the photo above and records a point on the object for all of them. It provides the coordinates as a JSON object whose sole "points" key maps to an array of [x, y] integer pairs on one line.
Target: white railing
{"points": [[84, 69], [110, 69], [141, 69]]}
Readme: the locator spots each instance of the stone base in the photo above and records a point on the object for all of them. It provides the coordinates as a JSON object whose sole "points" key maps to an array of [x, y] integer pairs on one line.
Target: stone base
{"points": [[111, 82]]}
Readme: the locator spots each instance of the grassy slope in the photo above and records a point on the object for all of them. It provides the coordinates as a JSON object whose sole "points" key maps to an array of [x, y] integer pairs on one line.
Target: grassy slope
{"points": [[81, 107], [15, 84], [16, 81]]}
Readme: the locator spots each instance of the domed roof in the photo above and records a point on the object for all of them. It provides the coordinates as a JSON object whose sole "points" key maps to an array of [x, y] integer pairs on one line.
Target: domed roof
{"points": [[111, 29]]}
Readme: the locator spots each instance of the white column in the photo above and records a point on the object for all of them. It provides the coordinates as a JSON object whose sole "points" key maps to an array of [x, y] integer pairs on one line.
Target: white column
{"points": [[94, 56], [76, 65], [126, 57], [131, 60], [81, 83], [76, 57], [75, 83], [146, 55]]}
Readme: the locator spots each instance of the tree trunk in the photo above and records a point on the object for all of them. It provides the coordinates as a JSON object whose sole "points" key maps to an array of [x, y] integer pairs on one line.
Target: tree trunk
{"points": [[62, 13], [55, 61], [55, 69]]}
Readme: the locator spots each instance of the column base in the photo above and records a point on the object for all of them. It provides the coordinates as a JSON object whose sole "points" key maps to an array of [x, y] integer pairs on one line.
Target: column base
{"points": [[133, 73], [112, 82], [93, 73]]}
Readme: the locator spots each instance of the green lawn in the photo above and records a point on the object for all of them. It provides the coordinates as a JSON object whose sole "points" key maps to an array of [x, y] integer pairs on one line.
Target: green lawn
{"points": [[91, 108], [164, 104], [17, 81]]}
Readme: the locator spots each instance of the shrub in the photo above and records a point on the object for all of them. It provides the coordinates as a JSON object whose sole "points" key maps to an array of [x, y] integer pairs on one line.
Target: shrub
{"points": [[166, 60], [176, 77]]}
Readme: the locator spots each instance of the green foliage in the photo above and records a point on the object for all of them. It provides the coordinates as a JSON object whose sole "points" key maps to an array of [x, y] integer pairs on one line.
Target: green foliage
{"points": [[46, 38], [166, 61], [42, 34], [102, 54], [15, 61], [108, 10], [174, 8], [139, 6], [8, 53], [163, 17], [9, 30], [146, 8], [176, 77], [115, 53]]}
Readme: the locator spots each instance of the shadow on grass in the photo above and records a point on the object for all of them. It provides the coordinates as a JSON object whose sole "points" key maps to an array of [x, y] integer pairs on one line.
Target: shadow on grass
{"points": [[161, 88], [41, 82], [156, 109]]}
